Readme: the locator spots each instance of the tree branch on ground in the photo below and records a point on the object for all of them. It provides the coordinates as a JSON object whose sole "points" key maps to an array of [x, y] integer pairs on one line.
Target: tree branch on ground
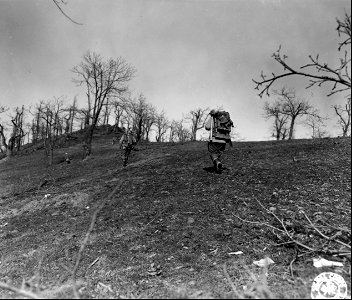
{"points": [[233, 287], [258, 287], [87, 236], [291, 234], [20, 291]]}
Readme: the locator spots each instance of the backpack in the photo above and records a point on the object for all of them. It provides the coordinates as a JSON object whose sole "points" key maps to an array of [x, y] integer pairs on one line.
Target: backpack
{"points": [[222, 125], [127, 140]]}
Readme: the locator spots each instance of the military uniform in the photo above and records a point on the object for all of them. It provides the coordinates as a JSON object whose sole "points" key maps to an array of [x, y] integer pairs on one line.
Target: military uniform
{"points": [[216, 145], [127, 143]]}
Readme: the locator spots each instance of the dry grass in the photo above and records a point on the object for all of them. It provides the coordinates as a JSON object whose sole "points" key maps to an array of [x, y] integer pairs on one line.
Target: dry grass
{"points": [[164, 227]]}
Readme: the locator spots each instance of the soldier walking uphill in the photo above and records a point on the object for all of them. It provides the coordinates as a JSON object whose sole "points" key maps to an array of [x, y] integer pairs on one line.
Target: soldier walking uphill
{"points": [[219, 126], [127, 143]]}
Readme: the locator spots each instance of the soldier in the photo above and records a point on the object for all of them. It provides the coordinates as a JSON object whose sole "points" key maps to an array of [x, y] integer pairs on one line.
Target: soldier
{"points": [[219, 124], [127, 143]]}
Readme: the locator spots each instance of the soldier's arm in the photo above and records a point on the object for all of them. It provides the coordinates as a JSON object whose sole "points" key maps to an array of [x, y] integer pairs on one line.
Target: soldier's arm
{"points": [[207, 124], [121, 140]]}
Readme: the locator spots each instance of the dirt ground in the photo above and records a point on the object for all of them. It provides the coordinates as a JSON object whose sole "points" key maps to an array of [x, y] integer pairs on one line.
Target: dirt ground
{"points": [[170, 227]]}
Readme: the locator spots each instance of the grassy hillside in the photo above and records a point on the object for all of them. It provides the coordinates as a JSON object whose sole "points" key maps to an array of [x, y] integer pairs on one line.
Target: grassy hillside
{"points": [[169, 226]]}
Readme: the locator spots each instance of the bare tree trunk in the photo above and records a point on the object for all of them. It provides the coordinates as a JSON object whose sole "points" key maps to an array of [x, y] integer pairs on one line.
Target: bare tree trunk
{"points": [[292, 125], [344, 115], [284, 134], [51, 155]]}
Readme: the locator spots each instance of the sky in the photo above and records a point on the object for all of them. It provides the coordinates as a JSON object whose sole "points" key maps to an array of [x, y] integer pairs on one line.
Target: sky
{"points": [[188, 54]]}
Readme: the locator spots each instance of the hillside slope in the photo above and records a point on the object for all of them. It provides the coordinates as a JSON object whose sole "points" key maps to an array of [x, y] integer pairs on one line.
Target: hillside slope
{"points": [[171, 223]]}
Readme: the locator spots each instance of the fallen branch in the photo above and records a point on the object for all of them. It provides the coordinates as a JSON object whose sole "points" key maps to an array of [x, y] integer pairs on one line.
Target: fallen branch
{"points": [[293, 260], [94, 262], [258, 223], [285, 229], [20, 291], [336, 228], [230, 282], [323, 235], [86, 239], [297, 243], [261, 286]]}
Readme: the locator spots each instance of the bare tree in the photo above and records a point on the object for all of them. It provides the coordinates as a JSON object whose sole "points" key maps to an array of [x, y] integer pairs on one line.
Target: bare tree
{"points": [[173, 131], [3, 143], [36, 124], [118, 110], [14, 142], [103, 79], [107, 112], [139, 111], [51, 113], [84, 116], [280, 119], [150, 121], [293, 107], [318, 72], [162, 124], [197, 118], [317, 126], [70, 117], [344, 117], [183, 134]]}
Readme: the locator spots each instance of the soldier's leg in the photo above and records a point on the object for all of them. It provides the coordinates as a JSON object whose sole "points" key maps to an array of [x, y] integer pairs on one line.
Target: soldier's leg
{"points": [[126, 154], [216, 150]]}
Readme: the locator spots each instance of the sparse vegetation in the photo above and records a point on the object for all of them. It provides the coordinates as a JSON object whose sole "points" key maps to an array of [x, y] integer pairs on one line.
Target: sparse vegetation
{"points": [[167, 226]]}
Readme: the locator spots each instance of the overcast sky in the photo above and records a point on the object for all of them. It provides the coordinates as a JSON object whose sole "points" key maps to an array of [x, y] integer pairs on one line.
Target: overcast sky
{"points": [[188, 53]]}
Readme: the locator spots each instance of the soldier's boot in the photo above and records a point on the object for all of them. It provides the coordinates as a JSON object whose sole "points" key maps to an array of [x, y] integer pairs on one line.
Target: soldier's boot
{"points": [[217, 165]]}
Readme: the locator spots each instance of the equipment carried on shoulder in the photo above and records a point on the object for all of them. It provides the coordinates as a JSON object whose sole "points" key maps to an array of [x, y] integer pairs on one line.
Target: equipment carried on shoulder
{"points": [[127, 143], [127, 140], [222, 125]]}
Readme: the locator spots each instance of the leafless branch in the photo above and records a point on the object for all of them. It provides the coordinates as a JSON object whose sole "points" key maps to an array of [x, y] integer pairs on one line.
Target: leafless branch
{"points": [[259, 223], [340, 76], [333, 238], [326, 247], [57, 3], [233, 287], [337, 228], [315, 78], [285, 229], [344, 116], [87, 236], [344, 27], [20, 291]]}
